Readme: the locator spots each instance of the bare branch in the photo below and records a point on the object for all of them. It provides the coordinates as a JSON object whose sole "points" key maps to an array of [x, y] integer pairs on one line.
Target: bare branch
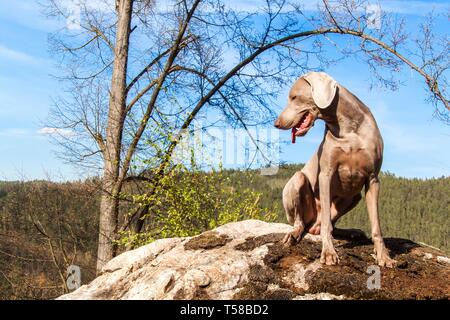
{"points": [[160, 81]]}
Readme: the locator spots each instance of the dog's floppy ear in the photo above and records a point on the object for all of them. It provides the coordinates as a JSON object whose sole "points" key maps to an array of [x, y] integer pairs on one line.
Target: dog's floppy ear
{"points": [[323, 88]]}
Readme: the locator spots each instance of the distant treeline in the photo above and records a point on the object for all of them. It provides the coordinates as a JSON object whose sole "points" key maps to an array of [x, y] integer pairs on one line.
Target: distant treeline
{"points": [[46, 226]]}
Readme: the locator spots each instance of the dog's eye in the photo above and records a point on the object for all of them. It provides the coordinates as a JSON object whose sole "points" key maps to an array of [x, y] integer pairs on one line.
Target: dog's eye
{"points": [[293, 97]]}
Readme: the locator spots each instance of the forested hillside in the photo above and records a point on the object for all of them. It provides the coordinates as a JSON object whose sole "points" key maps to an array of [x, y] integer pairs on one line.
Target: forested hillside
{"points": [[47, 226], [44, 227]]}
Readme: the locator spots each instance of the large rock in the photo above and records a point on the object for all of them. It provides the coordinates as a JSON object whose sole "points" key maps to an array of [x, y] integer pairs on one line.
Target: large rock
{"points": [[245, 260]]}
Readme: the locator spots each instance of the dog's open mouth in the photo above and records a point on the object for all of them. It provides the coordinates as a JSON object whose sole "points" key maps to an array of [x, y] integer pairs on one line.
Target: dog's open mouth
{"points": [[302, 127]]}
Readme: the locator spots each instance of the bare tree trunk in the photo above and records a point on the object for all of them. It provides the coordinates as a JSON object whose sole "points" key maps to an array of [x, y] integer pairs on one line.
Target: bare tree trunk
{"points": [[109, 207]]}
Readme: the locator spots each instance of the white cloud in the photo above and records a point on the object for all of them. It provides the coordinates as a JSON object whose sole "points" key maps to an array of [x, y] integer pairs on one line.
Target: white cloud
{"points": [[32, 14], [27, 14], [56, 131], [19, 56]]}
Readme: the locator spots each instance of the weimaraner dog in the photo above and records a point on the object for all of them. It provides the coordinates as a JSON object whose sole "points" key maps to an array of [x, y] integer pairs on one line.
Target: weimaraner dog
{"points": [[348, 159]]}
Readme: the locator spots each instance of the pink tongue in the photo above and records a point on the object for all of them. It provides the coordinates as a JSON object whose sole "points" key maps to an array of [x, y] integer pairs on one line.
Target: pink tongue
{"points": [[303, 125], [305, 122]]}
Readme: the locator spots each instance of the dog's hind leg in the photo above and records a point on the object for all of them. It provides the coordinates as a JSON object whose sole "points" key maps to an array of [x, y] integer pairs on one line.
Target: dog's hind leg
{"points": [[297, 202], [342, 206], [338, 209], [296, 235]]}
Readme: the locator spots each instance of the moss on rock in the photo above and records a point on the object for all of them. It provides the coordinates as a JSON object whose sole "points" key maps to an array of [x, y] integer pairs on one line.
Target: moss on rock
{"points": [[207, 240]]}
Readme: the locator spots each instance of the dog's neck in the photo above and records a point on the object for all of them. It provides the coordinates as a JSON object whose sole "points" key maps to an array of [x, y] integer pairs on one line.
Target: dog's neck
{"points": [[345, 115]]}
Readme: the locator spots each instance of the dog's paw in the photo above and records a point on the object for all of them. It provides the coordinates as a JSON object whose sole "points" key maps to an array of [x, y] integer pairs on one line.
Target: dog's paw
{"points": [[384, 260], [315, 229], [293, 237], [329, 256]]}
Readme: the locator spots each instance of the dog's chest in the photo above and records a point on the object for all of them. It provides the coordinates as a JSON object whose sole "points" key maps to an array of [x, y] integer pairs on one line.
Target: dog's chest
{"points": [[353, 166]]}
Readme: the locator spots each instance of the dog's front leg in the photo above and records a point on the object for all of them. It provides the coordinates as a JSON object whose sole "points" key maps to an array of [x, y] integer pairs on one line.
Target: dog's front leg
{"points": [[329, 255], [382, 255], [294, 207]]}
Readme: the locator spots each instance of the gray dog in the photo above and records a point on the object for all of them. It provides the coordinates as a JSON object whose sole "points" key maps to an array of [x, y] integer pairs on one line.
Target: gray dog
{"points": [[348, 159]]}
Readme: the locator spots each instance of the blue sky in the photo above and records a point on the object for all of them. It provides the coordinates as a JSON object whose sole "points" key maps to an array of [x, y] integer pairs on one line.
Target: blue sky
{"points": [[416, 145]]}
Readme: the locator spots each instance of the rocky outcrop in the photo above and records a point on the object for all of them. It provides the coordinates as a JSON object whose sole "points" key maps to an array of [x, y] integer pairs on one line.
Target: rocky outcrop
{"points": [[245, 260]]}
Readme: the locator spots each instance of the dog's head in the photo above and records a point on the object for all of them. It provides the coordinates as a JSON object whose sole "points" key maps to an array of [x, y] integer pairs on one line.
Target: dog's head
{"points": [[308, 97]]}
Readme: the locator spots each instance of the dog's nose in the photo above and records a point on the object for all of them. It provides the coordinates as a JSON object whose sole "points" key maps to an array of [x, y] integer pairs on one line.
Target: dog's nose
{"points": [[277, 123]]}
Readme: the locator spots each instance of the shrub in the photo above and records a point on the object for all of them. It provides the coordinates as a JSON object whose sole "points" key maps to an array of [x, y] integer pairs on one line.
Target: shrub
{"points": [[190, 201]]}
